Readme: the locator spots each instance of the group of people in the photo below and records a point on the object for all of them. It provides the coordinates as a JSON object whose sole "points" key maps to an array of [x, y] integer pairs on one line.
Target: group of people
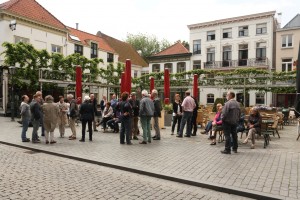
{"points": [[127, 111]]}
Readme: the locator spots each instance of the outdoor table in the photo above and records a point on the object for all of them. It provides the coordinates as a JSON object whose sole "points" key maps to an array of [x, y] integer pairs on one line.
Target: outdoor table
{"points": [[266, 132]]}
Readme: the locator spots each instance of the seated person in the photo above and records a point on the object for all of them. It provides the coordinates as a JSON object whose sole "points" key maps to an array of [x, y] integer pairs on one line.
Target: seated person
{"points": [[107, 115], [113, 123], [254, 125], [217, 123]]}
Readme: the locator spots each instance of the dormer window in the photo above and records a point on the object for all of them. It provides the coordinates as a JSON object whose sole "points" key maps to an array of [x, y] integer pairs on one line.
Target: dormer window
{"points": [[94, 50]]}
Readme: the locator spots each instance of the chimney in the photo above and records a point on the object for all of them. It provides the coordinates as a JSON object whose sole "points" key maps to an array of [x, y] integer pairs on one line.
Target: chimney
{"points": [[279, 20], [77, 24]]}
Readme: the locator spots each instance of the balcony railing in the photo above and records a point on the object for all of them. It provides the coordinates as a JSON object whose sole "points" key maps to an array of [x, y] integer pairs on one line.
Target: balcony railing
{"points": [[252, 62]]}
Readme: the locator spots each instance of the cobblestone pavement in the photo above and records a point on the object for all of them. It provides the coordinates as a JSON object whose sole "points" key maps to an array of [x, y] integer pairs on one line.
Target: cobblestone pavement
{"points": [[41, 176], [272, 171]]}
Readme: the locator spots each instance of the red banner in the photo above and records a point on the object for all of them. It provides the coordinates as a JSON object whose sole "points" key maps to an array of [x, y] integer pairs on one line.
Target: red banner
{"points": [[128, 77], [78, 84], [195, 88], [151, 84], [167, 85], [123, 82]]}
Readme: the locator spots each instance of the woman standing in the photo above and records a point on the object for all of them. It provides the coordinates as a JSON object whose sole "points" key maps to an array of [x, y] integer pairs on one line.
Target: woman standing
{"points": [[62, 115], [87, 116], [177, 113]]}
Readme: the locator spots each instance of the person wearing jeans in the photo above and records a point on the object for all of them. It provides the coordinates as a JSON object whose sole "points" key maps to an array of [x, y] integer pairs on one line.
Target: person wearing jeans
{"points": [[36, 115], [145, 113], [25, 113], [188, 106], [125, 118], [230, 116]]}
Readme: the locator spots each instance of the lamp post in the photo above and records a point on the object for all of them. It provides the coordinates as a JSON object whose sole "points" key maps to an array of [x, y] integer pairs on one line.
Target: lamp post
{"points": [[12, 71]]}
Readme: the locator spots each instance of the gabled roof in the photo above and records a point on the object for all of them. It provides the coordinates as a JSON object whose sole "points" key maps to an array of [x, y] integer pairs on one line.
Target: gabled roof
{"points": [[32, 10], [85, 37], [175, 49], [232, 20], [125, 50], [295, 22]]}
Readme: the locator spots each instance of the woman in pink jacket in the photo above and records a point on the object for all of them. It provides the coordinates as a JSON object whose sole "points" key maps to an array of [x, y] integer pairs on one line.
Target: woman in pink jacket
{"points": [[216, 123]]}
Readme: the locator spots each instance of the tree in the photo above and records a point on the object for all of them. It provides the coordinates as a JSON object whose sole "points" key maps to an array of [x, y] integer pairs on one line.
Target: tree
{"points": [[147, 44]]}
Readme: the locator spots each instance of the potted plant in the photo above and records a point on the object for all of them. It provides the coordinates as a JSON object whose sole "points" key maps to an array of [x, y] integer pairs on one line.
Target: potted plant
{"points": [[168, 108]]}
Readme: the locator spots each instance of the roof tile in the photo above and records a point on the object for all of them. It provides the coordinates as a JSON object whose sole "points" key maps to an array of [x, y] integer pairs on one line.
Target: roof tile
{"points": [[175, 49]]}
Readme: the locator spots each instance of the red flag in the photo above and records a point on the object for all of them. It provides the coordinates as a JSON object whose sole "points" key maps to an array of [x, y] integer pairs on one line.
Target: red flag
{"points": [[78, 84]]}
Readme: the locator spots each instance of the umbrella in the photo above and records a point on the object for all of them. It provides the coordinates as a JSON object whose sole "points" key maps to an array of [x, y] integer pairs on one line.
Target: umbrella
{"points": [[297, 102]]}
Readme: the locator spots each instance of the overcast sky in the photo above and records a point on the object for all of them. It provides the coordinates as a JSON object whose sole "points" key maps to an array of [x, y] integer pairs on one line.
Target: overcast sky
{"points": [[163, 18]]}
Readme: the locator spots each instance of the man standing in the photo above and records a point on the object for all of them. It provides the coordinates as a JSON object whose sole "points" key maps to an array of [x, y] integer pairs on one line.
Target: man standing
{"points": [[86, 115], [157, 114], [135, 104], [26, 115], [73, 115], [50, 111], [113, 102], [36, 115], [230, 117], [93, 101], [194, 118], [145, 113], [188, 106]]}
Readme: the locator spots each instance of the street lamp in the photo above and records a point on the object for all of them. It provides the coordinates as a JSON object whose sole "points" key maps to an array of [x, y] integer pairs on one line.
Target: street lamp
{"points": [[12, 71]]}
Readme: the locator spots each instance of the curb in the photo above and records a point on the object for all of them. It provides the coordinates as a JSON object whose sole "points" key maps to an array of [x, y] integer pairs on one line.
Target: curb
{"points": [[155, 175]]}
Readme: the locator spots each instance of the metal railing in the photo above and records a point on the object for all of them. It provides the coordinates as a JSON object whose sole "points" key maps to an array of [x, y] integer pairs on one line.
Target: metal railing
{"points": [[252, 62]]}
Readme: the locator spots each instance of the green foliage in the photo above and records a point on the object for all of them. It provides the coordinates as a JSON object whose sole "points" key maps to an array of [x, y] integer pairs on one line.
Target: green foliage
{"points": [[218, 100], [168, 108], [147, 44]]}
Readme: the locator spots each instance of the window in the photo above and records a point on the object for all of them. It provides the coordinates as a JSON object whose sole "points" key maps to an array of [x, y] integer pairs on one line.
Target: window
{"points": [[227, 53], [243, 54], [287, 41], [243, 31], [110, 57], [210, 98], [227, 33], [156, 68], [180, 67], [197, 47], [21, 39], [210, 54], [260, 98], [261, 51], [211, 35], [78, 49], [261, 28], [56, 49], [94, 50], [169, 66], [197, 64], [135, 74], [287, 65]]}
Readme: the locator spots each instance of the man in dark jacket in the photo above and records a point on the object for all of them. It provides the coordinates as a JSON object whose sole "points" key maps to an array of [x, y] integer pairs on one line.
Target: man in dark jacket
{"points": [[135, 104], [194, 119], [230, 117], [36, 115], [87, 116], [93, 101], [157, 114]]}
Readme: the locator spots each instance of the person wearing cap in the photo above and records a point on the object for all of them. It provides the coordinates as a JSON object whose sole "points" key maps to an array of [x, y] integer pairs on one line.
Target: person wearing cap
{"points": [[86, 116], [135, 104]]}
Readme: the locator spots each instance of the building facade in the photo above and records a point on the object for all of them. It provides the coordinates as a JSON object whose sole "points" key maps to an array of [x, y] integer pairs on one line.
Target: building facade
{"points": [[228, 44]]}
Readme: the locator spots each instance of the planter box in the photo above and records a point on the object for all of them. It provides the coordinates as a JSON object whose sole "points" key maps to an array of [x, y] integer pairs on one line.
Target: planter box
{"points": [[168, 119]]}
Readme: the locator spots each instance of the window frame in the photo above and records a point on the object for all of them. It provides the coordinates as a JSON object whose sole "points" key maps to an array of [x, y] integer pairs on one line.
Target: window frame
{"points": [[76, 49], [110, 57], [227, 30], [261, 50], [169, 66], [287, 63], [286, 41], [56, 48], [259, 98], [262, 27], [94, 50], [156, 68], [197, 64], [227, 52], [197, 47], [210, 98], [211, 35], [211, 54], [182, 66], [242, 29]]}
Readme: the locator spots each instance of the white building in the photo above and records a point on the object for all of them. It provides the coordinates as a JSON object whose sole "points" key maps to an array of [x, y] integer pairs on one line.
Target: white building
{"points": [[28, 21], [227, 44]]}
